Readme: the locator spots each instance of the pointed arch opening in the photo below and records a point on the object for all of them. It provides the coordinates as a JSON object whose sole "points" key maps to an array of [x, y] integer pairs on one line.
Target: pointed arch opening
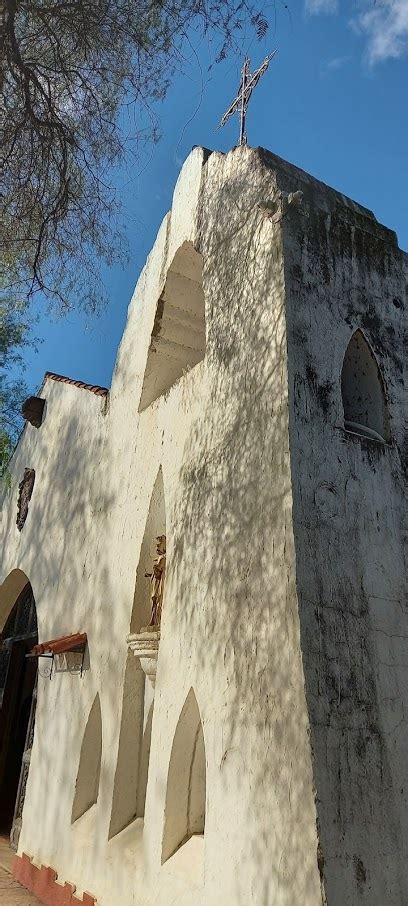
{"points": [[177, 342], [89, 768], [185, 806], [18, 683], [127, 796], [132, 767], [362, 388]]}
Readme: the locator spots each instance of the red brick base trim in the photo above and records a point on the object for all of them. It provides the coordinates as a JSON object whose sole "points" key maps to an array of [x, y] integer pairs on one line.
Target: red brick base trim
{"points": [[43, 883]]}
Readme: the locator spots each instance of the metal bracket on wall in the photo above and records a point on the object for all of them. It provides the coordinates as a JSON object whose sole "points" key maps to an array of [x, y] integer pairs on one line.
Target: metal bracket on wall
{"points": [[46, 673], [67, 645]]}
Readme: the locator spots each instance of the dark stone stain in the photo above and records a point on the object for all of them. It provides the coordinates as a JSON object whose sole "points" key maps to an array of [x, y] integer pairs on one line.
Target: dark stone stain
{"points": [[297, 272], [323, 395], [299, 336], [311, 374], [360, 873], [320, 861], [361, 745], [372, 322], [322, 391], [158, 318], [404, 456]]}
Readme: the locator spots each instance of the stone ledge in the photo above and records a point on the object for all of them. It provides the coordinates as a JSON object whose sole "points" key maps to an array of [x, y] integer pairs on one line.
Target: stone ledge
{"points": [[42, 882], [145, 646]]}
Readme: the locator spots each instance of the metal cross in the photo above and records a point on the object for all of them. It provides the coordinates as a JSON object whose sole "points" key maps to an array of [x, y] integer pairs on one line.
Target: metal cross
{"points": [[248, 83]]}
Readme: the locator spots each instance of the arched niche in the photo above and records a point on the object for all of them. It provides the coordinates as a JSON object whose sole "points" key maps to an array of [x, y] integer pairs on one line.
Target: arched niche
{"points": [[185, 805], [126, 785], [155, 525], [89, 768], [132, 766], [362, 388], [177, 342]]}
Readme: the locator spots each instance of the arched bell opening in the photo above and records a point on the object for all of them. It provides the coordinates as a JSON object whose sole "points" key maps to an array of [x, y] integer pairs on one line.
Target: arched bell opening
{"points": [[362, 388], [185, 806], [132, 767], [18, 680], [178, 337]]}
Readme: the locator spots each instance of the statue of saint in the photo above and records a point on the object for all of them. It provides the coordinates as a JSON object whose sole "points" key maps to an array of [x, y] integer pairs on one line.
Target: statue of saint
{"points": [[157, 581]]}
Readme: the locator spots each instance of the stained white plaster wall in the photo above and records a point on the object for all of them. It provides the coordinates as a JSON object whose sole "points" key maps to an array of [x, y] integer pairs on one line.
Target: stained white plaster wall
{"points": [[230, 624], [343, 272]]}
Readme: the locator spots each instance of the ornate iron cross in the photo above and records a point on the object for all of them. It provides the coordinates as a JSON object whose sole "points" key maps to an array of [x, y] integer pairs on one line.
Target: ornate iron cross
{"points": [[249, 81]]}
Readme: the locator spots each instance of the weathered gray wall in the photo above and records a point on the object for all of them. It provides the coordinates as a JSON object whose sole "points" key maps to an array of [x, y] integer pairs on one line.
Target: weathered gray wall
{"points": [[344, 271]]}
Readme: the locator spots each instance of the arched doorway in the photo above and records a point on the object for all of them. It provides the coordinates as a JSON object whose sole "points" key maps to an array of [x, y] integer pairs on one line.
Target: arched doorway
{"points": [[18, 676]]}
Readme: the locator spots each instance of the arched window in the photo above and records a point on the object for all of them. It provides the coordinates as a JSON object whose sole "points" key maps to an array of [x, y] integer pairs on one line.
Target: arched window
{"points": [[178, 337], [89, 769], [186, 781], [364, 403]]}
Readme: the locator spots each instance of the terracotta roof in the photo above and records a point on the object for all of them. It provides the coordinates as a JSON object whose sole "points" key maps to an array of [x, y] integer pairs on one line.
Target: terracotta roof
{"points": [[94, 388], [59, 646]]}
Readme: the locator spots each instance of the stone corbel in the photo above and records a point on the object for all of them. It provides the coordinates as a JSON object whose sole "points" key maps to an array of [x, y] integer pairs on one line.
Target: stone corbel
{"points": [[145, 646], [274, 209]]}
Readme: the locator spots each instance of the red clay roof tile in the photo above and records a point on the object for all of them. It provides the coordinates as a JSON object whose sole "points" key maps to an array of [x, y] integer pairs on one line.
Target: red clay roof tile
{"points": [[61, 645], [94, 388]]}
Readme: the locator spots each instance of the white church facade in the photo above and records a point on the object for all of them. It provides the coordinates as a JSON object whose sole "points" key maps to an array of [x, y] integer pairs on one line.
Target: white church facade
{"points": [[207, 561]]}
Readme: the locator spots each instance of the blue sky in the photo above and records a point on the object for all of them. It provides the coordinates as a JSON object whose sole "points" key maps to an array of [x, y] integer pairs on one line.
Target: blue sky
{"points": [[334, 102]]}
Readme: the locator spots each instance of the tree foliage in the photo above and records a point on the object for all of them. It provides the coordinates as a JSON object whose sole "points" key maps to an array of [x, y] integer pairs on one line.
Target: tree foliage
{"points": [[68, 70], [69, 67], [15, 332]]}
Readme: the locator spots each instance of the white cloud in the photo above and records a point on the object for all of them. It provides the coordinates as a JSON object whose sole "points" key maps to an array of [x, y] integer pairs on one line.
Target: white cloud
{"points": [[385, 25], [314, 7], [336, 63]]}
